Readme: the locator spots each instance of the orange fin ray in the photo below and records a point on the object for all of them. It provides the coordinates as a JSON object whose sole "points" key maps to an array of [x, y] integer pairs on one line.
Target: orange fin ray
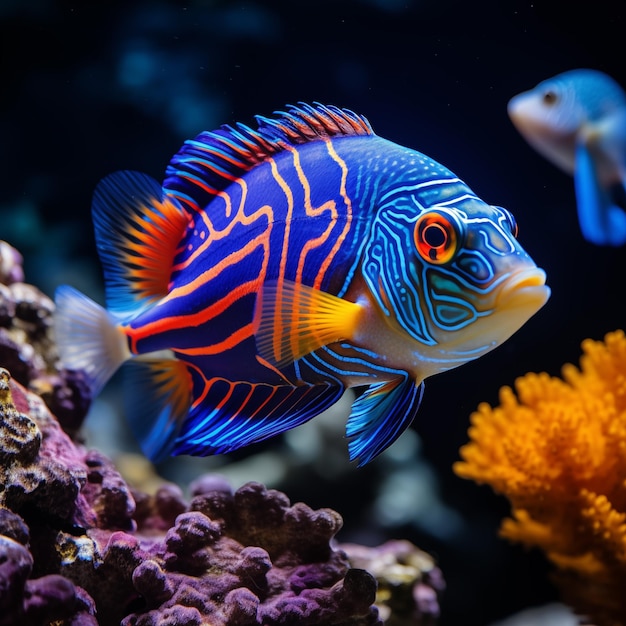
{"points": [[293, 320], [138, 230]]}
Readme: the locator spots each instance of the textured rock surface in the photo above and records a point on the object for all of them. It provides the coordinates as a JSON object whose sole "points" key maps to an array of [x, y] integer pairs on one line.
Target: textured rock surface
{"points": [[410, 585], [27, 347], [74, 543]]}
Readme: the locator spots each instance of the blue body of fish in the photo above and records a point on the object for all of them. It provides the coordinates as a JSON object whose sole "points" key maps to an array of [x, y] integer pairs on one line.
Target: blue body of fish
{"points": [[276, 267]]}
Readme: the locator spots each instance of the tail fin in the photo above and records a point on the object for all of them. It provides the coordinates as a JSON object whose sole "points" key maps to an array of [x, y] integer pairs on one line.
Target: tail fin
{"points": [[87, 337]]}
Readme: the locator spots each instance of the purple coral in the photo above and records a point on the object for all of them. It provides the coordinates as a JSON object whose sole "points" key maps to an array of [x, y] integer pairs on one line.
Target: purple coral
{"points": [[10, 265], [208, 567], [16, 564], [242, 557], [42, 600]]}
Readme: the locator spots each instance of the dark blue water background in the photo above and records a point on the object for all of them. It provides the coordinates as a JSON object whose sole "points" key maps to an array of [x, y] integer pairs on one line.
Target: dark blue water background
{"points": [[86, 91]]}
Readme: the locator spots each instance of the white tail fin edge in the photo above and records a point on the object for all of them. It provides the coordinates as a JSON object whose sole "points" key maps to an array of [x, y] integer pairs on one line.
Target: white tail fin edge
{"points": [[88, 337]]}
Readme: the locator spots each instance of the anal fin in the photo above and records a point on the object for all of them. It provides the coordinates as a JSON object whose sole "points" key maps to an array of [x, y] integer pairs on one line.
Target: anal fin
{"points": [[157, 394], [234, 414]]}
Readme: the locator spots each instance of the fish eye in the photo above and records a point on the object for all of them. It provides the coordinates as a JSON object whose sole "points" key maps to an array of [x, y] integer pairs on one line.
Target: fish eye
{"points": [[549, 97], [437, 237]]}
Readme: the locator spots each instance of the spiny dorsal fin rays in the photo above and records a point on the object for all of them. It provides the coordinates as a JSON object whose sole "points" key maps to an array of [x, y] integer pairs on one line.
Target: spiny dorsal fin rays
{"points": [[206, 165], [305, 122]]}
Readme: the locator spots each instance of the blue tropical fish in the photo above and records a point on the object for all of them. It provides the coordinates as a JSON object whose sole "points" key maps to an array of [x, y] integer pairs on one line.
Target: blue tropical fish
{"points": [[276, 267], [577, 120]]}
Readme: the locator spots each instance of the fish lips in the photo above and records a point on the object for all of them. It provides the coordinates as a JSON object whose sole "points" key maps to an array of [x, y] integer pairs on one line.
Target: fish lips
{"points": [[520, 296], [525, 290]]}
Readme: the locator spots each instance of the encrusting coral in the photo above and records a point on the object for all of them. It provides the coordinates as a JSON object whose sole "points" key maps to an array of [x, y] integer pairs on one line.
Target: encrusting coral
{"points": [[27, 348], [409, 583], [79, 547], [556, 448]]}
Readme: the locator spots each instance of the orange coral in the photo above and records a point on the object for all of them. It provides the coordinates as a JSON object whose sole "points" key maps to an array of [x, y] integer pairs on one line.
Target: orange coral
{"points": [[556, 448]]}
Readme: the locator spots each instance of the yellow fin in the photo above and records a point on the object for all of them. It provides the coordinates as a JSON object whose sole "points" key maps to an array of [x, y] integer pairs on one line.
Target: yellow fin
{"points": [[293, 320]]}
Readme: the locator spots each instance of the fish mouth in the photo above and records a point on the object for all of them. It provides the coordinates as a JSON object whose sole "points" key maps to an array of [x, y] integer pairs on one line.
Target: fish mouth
{"points": [[524, 112], [524, 116], [526, 289], [513, 109], [520, 296]]}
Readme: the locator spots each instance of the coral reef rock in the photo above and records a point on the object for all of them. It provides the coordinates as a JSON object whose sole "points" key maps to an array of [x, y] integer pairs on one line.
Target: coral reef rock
{"points": [[27, 346], [410, 585], [76, 545]]}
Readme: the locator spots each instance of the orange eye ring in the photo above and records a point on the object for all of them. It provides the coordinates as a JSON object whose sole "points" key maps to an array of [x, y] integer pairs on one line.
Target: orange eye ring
{"points": [[437, 237]]}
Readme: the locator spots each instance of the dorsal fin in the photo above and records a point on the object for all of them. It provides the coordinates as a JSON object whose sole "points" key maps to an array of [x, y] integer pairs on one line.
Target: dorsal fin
{"points": [[138, 230], [206, 165]]}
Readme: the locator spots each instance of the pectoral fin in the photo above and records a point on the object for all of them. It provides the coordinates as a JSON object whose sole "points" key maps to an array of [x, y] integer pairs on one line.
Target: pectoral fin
{"points": [[380, 416], [601, 221], [293, 320]]}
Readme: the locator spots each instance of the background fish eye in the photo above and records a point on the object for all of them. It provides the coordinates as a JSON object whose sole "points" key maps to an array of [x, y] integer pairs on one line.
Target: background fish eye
{"points": [[550, 97]]}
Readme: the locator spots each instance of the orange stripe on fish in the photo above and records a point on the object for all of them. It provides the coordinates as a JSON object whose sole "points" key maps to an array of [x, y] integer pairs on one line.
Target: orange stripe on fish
{"points": [[348, 204], [230, 342]]}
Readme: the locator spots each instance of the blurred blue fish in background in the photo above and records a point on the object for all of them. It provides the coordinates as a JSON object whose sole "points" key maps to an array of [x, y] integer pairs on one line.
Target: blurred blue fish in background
{"points": [[577, 120]]}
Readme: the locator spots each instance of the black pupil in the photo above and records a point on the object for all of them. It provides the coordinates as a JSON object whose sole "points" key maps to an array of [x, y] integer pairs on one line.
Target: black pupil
{"points": [[435, 236], [549, 97]]}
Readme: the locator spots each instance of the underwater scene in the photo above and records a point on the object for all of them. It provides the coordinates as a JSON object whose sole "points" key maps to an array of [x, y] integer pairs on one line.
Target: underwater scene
{"points": [[311, 313]]}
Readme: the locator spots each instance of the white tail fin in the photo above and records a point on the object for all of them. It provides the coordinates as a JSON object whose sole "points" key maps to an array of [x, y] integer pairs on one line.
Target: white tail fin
{"points": [[88, 337]]}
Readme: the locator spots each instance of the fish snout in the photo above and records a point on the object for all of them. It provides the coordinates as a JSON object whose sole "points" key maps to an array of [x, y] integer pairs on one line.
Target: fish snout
{"points": [[513, 108], [525, 288], [525, 113]]}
